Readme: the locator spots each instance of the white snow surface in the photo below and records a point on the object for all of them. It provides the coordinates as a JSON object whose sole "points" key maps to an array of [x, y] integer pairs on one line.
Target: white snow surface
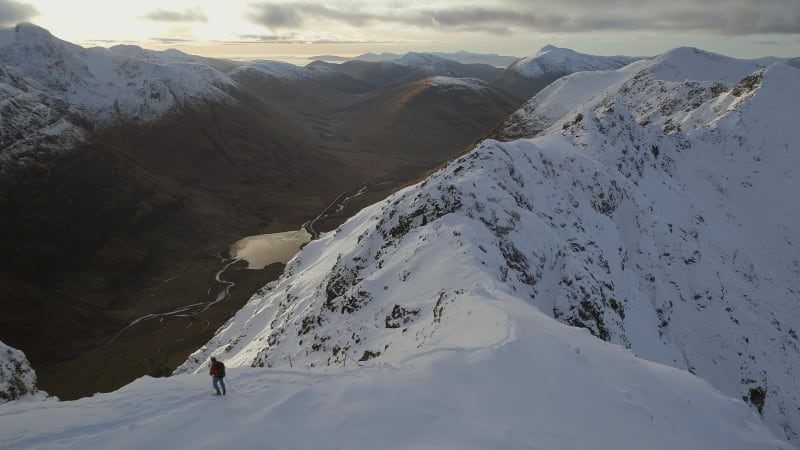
{"points": [[498, 374], [110, 83], [551, 60], [17, 378]]}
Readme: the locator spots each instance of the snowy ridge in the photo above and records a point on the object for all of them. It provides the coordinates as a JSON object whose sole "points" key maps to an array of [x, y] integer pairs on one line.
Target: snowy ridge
{"points": [[551, 60], [654, 87], [100, 82], [689, 63], [17, 378], [420, 60], [55, 92], [456, 83], [644, 223]]}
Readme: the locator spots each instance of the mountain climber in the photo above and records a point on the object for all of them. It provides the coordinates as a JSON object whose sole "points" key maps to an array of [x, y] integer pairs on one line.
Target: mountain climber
{"points": [[217, 372]]}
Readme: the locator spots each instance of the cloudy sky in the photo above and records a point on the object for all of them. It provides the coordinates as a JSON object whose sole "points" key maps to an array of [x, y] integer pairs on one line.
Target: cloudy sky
{"points": [[257, 28]]}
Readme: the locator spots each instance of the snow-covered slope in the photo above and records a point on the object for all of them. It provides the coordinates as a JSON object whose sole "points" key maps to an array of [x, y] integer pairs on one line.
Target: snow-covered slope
{"points": [[657, 212], [529, 75], [456, 83], [493, 373], [653, 82], [109, 83], [54, 92], [17, 378], [31, 118], [551, 60]]}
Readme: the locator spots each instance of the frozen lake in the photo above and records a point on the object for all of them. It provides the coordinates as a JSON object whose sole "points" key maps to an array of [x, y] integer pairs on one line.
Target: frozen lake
{"points": [[264, 249]]}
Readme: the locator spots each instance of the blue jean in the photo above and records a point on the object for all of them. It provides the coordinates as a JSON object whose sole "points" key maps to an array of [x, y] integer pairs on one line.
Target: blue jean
{"points": [[218, 381]]}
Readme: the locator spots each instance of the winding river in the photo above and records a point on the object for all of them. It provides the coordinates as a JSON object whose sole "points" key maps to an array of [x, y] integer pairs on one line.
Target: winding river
{"points": [[259, 251]]}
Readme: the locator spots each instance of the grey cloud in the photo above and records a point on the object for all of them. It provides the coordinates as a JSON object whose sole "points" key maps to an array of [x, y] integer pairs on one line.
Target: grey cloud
{"points": [[726, 17], [189, 15], [282, 16], [274, 15], [12, 12], [478, 16], [735, 18]]}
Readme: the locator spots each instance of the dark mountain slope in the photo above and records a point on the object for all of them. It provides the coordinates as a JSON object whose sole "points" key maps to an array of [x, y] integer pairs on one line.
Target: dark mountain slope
{"points": [[90, 233], [430, 120]]}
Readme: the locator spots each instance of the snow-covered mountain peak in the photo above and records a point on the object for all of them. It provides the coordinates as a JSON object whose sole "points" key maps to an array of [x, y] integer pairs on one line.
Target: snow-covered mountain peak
{"points": [[554, 61], [27, 31], [689, 63], [57, 89], [105, 82], [667, 90], [413, 59], [43, 58], [556, 54], [549, 47]]}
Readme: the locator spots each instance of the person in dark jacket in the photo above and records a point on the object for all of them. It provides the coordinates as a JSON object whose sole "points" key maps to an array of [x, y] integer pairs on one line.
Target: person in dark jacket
{"points": [[217, 372]]}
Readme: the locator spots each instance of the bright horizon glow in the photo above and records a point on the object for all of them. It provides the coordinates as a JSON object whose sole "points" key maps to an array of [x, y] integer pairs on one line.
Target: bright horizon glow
{"points": [[242, 29]]}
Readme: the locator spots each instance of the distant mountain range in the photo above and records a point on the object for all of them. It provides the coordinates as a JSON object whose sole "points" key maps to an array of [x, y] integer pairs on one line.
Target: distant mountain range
{"points": [[462, 57]]}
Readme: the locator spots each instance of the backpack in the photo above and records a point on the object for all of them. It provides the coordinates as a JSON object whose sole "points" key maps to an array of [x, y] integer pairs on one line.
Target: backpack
{"points": [[220, 369]]}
